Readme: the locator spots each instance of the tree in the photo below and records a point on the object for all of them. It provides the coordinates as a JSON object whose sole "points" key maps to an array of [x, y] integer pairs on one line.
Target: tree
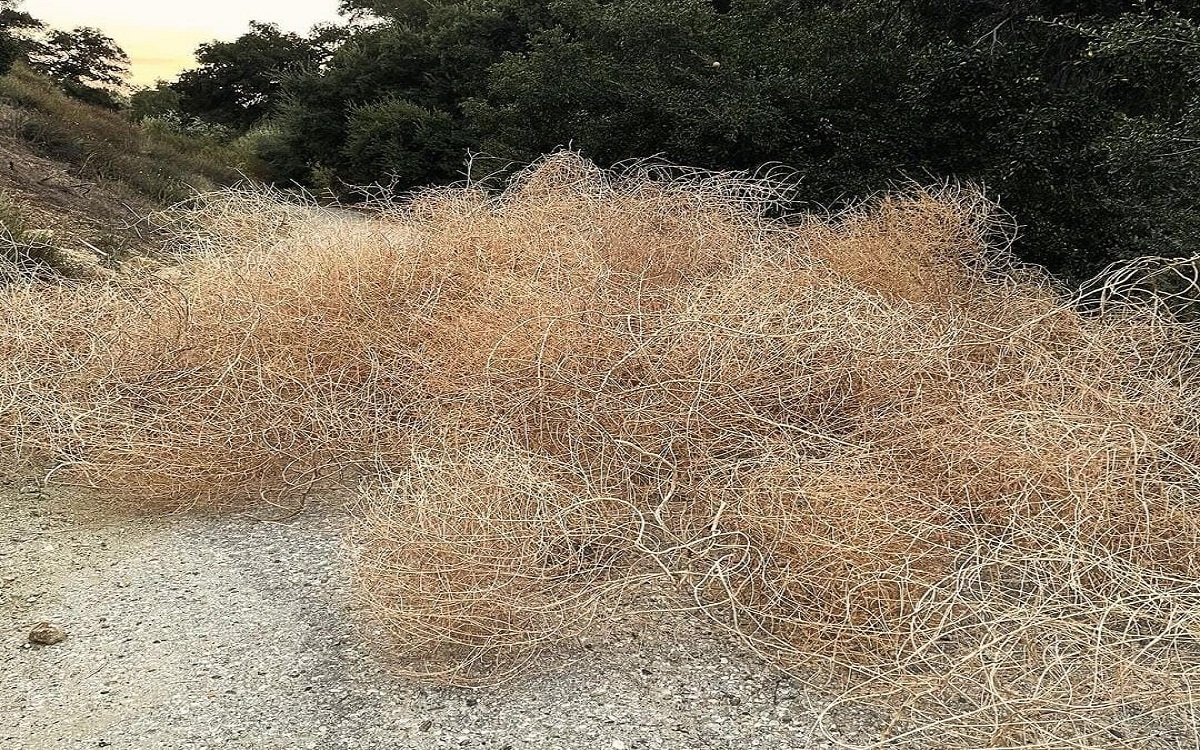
{"points": [[16, 41], [389, 9], [238, 83], [434, 56], [158, 101], [86, 62], [1082, 116]]}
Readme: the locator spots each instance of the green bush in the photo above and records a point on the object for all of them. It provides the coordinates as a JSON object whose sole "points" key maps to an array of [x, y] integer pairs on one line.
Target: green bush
{"points": [[399, 139], [160, 101], [1080, 117]]}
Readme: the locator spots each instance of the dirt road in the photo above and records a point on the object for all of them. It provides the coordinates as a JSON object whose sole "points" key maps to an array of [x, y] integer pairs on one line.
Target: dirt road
{"points": [[230, 632]]}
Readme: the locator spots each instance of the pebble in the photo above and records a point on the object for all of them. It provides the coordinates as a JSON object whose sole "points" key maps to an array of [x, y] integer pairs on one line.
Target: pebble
{"points": [[45, 634]]}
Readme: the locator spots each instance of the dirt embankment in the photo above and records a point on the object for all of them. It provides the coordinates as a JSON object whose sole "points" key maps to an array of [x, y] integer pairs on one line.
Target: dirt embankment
{"points": [[85, 214]]}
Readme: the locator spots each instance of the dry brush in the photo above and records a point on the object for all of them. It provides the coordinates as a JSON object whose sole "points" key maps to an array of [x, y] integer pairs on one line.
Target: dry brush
{"points": [[870, 445]]}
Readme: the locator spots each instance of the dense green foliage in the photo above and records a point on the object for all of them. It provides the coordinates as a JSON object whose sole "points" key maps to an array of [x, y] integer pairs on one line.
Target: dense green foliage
{"points": [[162, 100], [87, 64], [1083, 118], [15, 26], [239, 82]]}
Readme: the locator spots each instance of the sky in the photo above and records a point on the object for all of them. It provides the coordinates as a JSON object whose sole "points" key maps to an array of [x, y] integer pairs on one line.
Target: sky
{"points": [[161, 35]]}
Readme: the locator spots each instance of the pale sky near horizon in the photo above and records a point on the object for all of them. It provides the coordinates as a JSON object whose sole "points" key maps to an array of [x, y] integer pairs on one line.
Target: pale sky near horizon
{"points": [[161, 35]]}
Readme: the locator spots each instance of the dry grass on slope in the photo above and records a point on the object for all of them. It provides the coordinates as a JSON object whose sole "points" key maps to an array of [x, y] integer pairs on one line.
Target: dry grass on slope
{"points": [[868, 446]]}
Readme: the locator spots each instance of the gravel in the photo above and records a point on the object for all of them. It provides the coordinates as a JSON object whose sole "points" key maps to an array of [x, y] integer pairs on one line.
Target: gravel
{"points": [[231, 632]]}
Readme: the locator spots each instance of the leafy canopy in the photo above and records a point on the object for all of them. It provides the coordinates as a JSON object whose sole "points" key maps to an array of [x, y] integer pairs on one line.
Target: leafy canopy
{"points": [[239, 82], [1081, 117], [16, 38]]}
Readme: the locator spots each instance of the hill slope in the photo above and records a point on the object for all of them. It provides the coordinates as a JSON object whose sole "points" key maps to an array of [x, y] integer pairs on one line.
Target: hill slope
{"points": [[77, 181]]}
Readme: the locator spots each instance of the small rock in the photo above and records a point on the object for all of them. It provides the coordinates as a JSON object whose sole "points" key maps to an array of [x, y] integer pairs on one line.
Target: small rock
{"points": [[617, 745], [45, 634], [426, 725]]}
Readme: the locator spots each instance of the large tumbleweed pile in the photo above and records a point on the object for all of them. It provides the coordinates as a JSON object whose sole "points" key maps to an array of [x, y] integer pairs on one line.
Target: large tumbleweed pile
{"points": [[870, 445]]}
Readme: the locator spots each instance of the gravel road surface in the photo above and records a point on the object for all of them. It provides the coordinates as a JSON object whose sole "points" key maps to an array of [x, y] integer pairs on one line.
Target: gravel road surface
{"points": [[231, 632]]}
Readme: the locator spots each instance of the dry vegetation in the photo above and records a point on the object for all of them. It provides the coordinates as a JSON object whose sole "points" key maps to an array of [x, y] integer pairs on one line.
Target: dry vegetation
{"points": [[870, 446], [78, 181], [102, 146]]}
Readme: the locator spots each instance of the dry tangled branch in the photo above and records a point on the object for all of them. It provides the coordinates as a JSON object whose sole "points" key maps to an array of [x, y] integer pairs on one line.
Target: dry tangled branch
{"points": [[871, 446]]}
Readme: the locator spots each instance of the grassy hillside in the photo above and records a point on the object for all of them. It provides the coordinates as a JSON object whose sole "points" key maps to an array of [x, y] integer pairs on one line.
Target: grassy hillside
{"points": [[77, 181]]}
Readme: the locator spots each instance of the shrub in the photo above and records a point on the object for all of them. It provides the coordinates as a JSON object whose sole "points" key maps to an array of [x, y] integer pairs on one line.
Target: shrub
{"points": [[399, 139]]}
